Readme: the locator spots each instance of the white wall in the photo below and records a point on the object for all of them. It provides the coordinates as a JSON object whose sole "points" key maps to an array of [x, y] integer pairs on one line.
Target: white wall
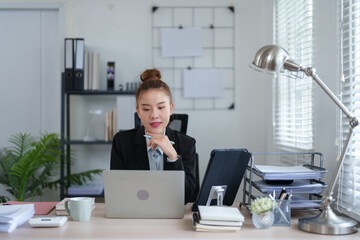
{"points": [[29, 73]]}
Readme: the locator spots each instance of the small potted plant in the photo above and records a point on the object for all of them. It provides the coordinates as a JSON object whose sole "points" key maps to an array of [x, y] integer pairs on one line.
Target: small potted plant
{"points": [[262, 212]]}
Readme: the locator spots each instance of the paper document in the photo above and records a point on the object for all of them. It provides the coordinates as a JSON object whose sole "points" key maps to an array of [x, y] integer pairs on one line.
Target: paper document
{"points": [[12, 216], [298, 186], [268, 172], [282, 169], [298, 202], [203, 83], [185, 42]]}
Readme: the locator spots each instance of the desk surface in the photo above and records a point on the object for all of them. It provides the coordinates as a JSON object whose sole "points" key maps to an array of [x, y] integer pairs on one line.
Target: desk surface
{"points": [[100, 227]]}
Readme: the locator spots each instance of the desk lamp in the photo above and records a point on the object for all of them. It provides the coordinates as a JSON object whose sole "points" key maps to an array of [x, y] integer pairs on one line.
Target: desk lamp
{"points": [[274, 59]]}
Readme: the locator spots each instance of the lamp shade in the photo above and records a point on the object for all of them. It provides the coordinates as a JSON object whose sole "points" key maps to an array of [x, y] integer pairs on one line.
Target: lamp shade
{"points": [[272, 59]]}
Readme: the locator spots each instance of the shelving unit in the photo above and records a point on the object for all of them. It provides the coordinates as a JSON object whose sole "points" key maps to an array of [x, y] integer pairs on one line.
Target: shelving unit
{"points": [[65, 134], [313, 198]]}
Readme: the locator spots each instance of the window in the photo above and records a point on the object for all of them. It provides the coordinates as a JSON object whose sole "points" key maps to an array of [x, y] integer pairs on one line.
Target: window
{"points": [[292, 101], [349, 178]]}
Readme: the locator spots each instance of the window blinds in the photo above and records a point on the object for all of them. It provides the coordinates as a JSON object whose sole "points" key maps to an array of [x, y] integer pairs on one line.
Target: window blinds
{"points": [[292, 101], [349, 178]]}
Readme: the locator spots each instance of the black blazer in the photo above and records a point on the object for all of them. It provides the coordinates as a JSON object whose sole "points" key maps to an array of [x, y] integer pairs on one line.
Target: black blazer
{"points": [[129, 151]]}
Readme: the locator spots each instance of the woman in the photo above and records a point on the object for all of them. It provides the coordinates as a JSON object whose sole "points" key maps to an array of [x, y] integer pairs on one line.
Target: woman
{"points": [[155, 146]]}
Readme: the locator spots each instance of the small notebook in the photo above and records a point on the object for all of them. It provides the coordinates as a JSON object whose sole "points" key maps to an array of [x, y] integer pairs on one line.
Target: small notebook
{"points": [[220, 213]]}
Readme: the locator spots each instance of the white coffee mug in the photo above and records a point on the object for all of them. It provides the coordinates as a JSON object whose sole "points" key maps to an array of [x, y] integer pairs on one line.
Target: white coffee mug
{"points": [[80, 208]]}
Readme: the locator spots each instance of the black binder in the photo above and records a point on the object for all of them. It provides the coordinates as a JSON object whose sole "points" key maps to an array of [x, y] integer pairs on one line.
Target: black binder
{"points": [[69, 64], [79, 56]]}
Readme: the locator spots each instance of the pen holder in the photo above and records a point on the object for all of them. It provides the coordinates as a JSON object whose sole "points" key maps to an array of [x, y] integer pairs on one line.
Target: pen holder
{"points": [[282, 214]]}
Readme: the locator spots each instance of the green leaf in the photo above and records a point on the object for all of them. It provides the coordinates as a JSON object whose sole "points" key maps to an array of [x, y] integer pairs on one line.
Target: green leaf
{"points": [[75, 178], [30, 166], [4, 199]]}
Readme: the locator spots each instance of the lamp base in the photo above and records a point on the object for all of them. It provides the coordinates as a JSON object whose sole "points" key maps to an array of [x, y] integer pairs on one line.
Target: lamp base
{"points": [[327, 222]]}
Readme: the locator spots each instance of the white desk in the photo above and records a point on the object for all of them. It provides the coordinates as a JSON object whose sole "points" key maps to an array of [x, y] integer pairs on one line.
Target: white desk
{"points": [[100, 227]]}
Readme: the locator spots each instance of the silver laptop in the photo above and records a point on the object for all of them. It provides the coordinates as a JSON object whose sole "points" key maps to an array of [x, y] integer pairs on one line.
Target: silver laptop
{"points": [[144, 194]]}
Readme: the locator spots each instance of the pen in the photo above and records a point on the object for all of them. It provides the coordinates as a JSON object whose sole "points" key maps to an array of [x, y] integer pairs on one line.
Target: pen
{"points": [[150, 137], [283, 194]]}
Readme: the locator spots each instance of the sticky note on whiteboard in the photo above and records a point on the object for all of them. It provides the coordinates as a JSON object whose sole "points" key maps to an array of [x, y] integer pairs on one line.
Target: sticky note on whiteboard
{"points": [[185, 42], [203, 83]]}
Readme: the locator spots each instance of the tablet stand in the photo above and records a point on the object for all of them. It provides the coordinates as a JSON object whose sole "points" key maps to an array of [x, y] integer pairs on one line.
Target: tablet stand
{"points": [[217, 192]]}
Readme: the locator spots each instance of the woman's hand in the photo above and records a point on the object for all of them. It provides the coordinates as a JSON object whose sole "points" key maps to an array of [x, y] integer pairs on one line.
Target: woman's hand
{"points": [[164, 143]]}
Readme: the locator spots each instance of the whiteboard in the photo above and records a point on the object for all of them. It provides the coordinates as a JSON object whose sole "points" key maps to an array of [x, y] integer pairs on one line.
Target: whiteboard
{"points": [[217, 26]]}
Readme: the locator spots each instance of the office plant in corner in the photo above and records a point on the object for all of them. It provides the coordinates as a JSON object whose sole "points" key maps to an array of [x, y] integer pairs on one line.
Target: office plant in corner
{"points": [[30, 166]]}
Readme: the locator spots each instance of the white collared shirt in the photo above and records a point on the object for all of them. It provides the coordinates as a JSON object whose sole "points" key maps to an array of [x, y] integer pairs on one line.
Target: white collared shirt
{"points": [[151, 157]]}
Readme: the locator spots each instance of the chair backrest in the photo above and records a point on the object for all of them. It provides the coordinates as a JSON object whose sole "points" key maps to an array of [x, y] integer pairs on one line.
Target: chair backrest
{"points": [[178, 121], [197, 183]]}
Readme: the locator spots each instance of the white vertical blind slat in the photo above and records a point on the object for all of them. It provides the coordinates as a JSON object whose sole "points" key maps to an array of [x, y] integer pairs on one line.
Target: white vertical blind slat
{"points": [[349, 179], [293, 114]]}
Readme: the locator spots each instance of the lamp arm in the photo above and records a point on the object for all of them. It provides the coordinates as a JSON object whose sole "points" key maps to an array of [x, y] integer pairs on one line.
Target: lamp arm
{"points": [[312, 73], [352, 121], [330, 191]]}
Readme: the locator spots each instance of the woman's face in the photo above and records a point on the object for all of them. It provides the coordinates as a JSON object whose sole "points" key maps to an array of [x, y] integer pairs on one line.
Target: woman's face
{"points": [[154, 110]]}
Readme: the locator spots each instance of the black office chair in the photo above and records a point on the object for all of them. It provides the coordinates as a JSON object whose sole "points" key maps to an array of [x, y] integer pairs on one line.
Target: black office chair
{"points": [[197, 182], [179, 122]]}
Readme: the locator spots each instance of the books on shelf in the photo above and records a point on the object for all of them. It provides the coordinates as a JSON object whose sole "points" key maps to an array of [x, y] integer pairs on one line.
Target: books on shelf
{"points": [[215, 218], [60, 207], [110, 124], [125, 111], [13, 216], [92, 71]]}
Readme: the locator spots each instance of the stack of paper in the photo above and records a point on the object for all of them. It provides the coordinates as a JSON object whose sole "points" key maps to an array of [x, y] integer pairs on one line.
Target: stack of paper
{"points": [[269, 172], [299, 202], [214, 218], [298, 186], [12, 216], [60, 207]]}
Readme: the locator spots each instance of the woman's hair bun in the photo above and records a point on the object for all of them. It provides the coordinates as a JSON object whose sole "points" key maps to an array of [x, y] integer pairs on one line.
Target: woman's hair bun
{"points": [[150, 74]]}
